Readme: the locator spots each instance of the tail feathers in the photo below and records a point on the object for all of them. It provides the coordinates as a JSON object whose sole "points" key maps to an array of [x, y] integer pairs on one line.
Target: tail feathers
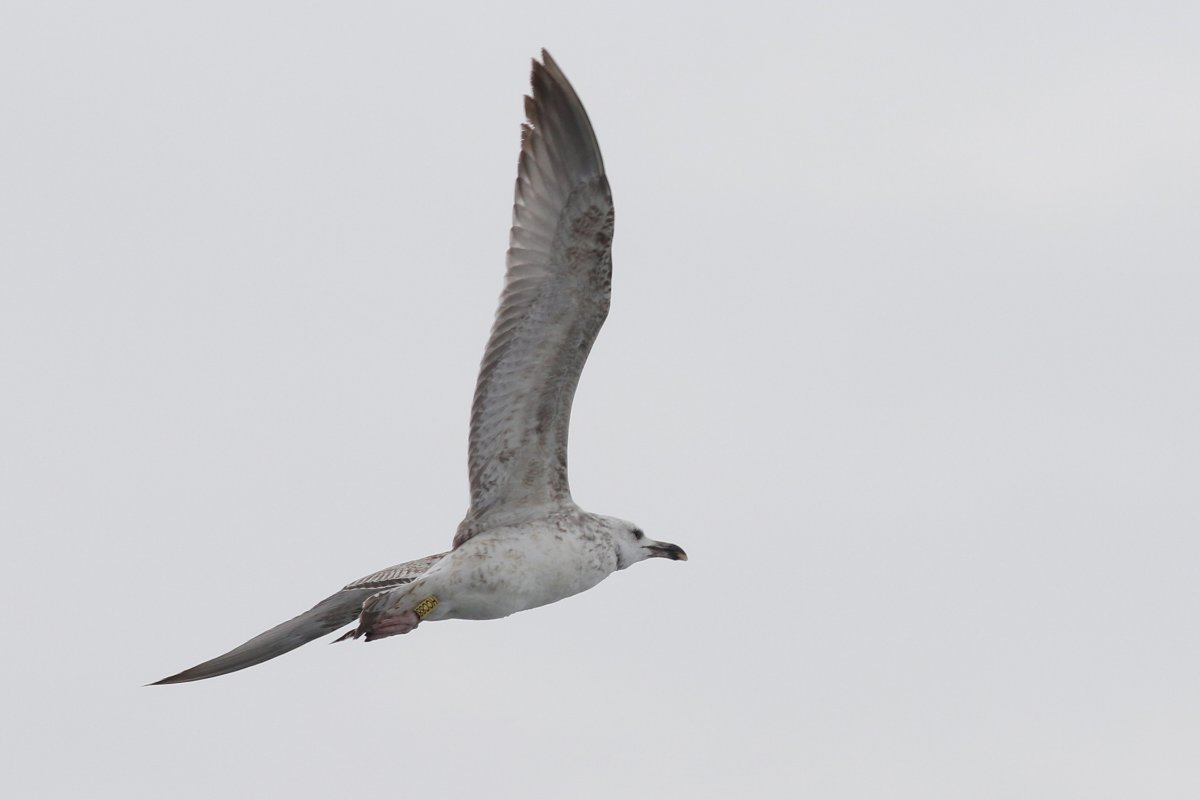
{"points": [[353, 633], [325, 617]]}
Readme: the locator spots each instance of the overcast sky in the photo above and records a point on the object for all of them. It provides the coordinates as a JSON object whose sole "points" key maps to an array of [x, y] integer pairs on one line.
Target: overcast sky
{"points": [[903, 351]]}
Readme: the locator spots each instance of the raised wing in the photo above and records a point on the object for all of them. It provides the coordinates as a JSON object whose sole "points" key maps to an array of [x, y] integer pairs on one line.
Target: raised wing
{"points": [[335, 611], [555, 298]]}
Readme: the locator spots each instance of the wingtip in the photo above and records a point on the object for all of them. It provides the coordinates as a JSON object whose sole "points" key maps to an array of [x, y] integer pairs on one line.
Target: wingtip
{"points": [[178, 678], [548, 68], [191, 674]]}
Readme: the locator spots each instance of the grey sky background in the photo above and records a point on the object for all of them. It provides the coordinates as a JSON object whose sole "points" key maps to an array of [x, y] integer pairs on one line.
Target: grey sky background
{"points": [[903, 351]]}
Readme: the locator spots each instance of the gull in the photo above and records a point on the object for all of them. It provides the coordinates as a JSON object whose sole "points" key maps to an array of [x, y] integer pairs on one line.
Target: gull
{"points": [[523, 543]]}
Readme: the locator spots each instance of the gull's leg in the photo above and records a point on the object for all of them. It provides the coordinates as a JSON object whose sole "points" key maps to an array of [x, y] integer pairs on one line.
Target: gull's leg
{"points": [[375, 624], [393, 625]]}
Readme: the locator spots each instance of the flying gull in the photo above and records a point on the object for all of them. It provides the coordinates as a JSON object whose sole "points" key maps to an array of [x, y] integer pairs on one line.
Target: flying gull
{"points": [[524, 543]]}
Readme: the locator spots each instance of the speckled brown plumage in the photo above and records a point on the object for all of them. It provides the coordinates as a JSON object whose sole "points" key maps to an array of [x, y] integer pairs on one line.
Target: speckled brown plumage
{"points": [[556, 296]]}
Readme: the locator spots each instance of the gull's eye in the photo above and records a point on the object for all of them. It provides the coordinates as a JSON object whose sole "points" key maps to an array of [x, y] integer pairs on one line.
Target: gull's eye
{"points": [[638, 534]]}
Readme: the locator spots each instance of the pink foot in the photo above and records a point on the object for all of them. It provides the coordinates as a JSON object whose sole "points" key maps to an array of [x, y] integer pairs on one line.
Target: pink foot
{"points": [[393, 625]]}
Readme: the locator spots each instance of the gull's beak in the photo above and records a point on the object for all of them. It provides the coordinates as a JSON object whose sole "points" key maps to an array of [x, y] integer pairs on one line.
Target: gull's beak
{"points": [[667, 550]]}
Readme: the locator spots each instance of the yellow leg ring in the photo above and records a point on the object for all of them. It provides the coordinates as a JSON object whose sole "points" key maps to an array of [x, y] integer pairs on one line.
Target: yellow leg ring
{"points": [[425, 606]]}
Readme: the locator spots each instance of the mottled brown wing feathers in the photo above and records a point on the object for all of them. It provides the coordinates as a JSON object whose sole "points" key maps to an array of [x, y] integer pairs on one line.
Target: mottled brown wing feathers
{"points": [[555, 298]]}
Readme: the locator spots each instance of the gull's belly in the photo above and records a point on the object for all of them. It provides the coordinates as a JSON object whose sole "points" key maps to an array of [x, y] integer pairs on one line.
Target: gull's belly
{"points": [[500, 573]]}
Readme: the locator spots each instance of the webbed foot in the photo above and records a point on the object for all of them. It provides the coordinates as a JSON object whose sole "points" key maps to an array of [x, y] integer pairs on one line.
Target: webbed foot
{"points": [[393, 625]]}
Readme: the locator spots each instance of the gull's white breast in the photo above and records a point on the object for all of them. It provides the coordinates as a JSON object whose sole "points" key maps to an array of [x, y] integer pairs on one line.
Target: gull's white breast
{"points": [[510, 569]]}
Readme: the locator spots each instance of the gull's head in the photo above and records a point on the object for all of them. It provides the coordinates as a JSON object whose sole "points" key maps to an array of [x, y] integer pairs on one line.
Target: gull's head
{"points": [[633, 545]]}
